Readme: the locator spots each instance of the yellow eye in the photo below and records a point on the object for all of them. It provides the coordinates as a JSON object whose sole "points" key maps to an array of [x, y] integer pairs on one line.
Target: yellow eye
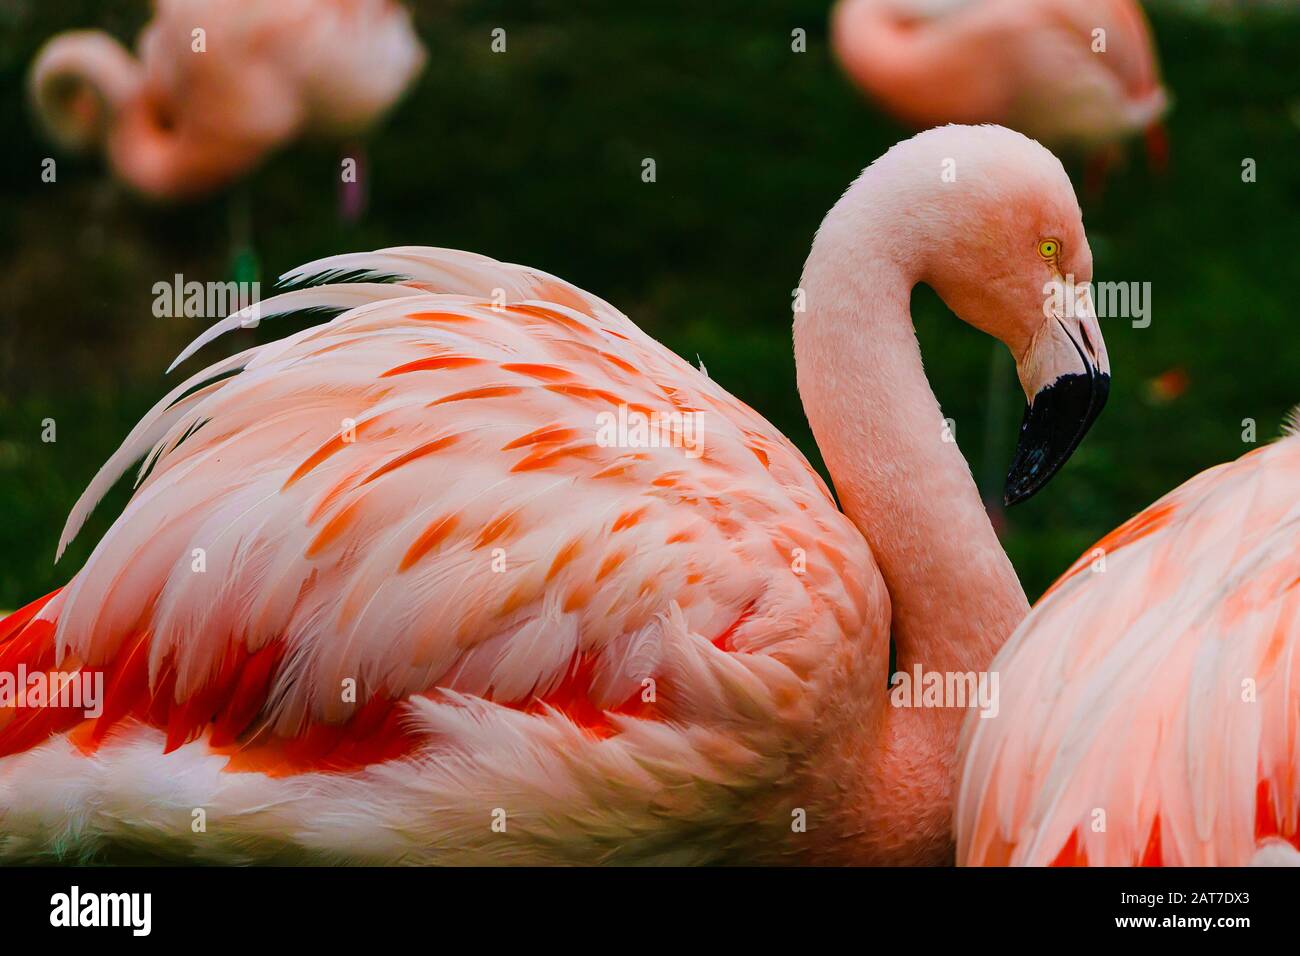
{"points": [[1049, 248]]}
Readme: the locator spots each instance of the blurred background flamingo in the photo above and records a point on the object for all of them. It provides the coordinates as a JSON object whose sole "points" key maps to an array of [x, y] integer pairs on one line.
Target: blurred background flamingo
{"points": [[1150, 703], [1076, 75], [217, 84]]}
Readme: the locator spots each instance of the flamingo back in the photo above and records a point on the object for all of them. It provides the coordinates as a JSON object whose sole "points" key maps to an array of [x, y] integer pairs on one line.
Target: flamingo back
{"points": [[1149, 703], [419, 541]]}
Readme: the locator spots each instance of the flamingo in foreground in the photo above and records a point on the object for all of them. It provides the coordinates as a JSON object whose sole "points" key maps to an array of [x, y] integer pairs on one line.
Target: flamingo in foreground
{"points": [[1150, 704], [384, 593], [181, 121], [1032, 65]]}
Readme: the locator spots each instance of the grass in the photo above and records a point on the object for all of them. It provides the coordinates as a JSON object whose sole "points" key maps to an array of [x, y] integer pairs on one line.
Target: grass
{"points": [[535, 156]]}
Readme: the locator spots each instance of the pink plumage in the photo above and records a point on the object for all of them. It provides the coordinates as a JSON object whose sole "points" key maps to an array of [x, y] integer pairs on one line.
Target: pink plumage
{"points": [[1149, 702], [413, 502]]}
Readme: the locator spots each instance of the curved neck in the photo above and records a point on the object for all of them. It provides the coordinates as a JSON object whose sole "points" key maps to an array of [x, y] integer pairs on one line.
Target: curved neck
{"points": [[903, 481], [71, 72]]}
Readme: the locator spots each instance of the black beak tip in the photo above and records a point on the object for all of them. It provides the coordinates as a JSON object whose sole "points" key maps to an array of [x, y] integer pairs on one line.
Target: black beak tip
{"points": [[1022, 484], [1051, 430], [1013, 496]]}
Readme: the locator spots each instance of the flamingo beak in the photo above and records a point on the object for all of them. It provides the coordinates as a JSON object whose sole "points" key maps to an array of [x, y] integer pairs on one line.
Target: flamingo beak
{"points": [[1067, 380]]}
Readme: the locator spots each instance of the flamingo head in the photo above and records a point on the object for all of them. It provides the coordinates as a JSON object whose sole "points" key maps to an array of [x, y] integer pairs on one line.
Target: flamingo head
{"points": [[78, 83], [89, 92], [1004, 246]]}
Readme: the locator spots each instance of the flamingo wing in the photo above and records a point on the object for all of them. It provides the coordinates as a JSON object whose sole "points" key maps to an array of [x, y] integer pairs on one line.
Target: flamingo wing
{"points": [[1150, 703], [445, 524]]}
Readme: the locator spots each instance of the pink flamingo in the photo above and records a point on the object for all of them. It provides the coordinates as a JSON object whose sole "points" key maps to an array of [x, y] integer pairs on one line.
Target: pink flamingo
{"points": [[220, 83], [479, 572], [1148, 711], [1033, 65]]}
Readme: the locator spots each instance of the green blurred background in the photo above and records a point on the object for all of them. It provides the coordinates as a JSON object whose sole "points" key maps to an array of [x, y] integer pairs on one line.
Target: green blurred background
{"points": [[535, 156]]}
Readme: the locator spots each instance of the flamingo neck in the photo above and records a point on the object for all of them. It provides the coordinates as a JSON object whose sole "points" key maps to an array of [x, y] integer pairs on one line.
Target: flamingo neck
{"points": [[903, 481], [80, 81]]}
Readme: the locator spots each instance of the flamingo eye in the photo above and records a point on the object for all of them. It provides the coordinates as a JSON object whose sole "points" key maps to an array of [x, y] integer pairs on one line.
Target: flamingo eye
{"points": [[1049, 248]]}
